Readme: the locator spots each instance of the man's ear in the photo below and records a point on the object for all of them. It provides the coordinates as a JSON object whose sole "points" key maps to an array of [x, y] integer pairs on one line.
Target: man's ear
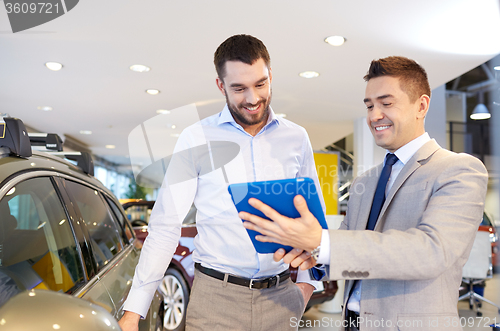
{"points": [[220, 85], [424, 102]]}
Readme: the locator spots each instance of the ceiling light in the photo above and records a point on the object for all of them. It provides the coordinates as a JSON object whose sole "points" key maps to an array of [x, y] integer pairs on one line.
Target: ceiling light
{"points": [[85, 132], [139, 68], [309, 74], [173, 126], [480, 112], [45, 108], [163, 111], [152, 91], [54, 66], [335, 40], [281, 115], [110, 146], [496, 67]]}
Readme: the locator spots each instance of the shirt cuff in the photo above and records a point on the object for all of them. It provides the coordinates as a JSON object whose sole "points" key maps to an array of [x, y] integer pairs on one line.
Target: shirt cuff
{"points": [[303, 277], [324, 252]]}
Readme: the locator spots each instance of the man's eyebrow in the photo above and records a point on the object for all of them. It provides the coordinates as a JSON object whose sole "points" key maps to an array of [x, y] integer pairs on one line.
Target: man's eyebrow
{"points": [[256, 83], [385, 96]]}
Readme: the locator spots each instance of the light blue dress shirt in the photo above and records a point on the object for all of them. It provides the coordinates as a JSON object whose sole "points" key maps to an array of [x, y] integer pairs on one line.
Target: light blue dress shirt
{"points": [[280, 150]]}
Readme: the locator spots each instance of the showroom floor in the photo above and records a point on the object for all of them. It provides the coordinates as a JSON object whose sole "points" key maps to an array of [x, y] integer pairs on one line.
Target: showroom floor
{"points": [[470, 321]]}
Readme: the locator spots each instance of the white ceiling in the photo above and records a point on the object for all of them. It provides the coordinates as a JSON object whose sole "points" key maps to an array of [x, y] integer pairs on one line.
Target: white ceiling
{"points": [[98, 40]]}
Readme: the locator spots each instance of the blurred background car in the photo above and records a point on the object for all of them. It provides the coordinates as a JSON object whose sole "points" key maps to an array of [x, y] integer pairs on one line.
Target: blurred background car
{"points": [[487, 226], [61, 229], [176, 285]]}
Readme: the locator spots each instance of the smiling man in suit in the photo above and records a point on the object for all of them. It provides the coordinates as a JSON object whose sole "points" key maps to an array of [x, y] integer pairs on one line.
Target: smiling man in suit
{"points": [[411, 221]]}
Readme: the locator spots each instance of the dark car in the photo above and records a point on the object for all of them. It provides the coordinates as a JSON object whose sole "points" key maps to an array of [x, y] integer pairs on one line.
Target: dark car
{"points": [[178, 279], [62, 230]]}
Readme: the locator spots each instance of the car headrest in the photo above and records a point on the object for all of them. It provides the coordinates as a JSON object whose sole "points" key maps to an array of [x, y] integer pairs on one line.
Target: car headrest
{"points": [[14, 136]]}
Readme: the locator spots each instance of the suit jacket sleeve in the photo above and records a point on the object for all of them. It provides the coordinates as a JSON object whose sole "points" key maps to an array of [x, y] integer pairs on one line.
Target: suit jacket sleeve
{"points": [[428, 226]]}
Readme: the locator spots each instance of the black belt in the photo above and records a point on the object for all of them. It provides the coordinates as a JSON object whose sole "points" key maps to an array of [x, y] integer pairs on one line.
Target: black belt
{"points": [[252, 284]]}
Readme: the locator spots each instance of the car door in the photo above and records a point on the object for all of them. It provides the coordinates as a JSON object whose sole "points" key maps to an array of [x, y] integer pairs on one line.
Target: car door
{"points": [[102, 236], [111, 241]]}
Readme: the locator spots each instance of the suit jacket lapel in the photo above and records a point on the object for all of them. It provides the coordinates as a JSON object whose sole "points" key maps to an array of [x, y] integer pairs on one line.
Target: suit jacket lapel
{"points": [[369, 184], [413, 164]]}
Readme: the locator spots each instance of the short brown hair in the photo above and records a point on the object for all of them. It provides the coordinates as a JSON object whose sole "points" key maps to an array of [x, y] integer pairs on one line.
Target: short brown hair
{"points": [[412, 77], [242, 47]]}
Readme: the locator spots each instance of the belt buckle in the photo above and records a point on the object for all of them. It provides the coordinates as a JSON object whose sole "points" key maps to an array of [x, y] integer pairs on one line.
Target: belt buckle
{"points": [[251, 284], [277, 281]]}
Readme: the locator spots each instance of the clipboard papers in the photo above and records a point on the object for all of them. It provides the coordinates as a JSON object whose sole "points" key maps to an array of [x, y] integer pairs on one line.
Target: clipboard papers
{"points": [[279, 195]]}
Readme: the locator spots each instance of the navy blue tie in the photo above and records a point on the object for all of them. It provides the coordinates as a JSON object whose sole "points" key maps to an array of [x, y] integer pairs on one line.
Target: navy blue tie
{"points": [[379, 198]]}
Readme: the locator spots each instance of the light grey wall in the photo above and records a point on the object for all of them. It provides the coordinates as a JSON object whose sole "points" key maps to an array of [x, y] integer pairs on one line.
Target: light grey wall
{"points": [[435, 121]]}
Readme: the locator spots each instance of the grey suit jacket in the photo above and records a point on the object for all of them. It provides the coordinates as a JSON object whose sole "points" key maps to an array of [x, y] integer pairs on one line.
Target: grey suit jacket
{"points": [[411, 264]]}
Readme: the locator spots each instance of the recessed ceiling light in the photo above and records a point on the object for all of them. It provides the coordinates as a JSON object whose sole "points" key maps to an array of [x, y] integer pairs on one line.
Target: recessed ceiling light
{"points": [[139, 68], [54, 66], [173, 126], [309, 74], [152, 91], [110, 146], [45, 108], [163, 111], [496, 67], [85, 132], [335, 40], [281, 115]]}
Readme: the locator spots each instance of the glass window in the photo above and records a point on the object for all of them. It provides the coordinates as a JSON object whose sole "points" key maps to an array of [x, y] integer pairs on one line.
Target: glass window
{"points": [[125, 225], [37, 246], [104, 233]]}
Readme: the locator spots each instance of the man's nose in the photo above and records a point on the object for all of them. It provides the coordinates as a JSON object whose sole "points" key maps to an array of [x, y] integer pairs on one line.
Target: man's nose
{"points": [[252, 97], [375, 114]]}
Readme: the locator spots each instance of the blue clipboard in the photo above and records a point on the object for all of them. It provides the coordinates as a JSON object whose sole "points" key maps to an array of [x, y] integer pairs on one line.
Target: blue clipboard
{"points": [[279, 195]]}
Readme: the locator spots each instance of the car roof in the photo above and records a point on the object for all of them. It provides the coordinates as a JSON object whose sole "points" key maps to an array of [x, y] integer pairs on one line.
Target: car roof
{"points": [[40, 161]]}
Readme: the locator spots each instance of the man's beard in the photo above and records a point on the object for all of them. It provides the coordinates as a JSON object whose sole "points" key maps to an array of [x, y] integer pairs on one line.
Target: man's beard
{"points": [[238, 114]]}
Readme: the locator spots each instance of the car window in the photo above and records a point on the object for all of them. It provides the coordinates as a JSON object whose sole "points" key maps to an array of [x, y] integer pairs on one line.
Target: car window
{"points": [[121, 219], [104, 233], [37, 246]]}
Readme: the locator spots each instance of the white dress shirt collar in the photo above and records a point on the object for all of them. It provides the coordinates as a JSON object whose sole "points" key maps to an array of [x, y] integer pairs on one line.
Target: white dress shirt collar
{"points": [[405, 152]]}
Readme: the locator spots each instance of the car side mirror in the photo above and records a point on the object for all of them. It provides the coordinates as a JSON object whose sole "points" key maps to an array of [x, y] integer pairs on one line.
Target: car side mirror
{"points": [[43, 310]]}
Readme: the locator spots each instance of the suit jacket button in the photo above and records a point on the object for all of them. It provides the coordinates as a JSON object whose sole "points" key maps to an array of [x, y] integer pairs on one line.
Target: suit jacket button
{"points": [[359, 274], [366, 274], [352, 274], [345, 273]]}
